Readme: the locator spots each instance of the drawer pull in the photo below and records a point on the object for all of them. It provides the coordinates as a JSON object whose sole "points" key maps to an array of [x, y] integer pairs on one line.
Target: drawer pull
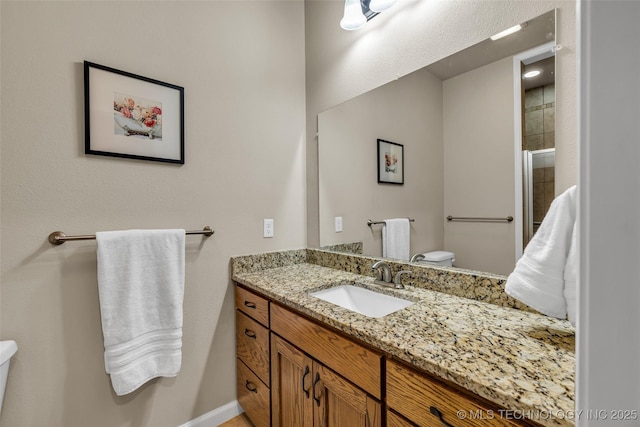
{"points": [[304, 376], [250, 333], [438, 414], [315, 383], [251, 386], [250, 304]]}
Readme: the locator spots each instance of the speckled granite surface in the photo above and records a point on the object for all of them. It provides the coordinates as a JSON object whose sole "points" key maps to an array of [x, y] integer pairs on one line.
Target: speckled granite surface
{"points": [[349, 248], [520, 360]]}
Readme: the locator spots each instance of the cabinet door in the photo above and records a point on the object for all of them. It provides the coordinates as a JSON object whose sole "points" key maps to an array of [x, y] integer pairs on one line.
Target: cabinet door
{"points": [[338, 403], [291, 382]]}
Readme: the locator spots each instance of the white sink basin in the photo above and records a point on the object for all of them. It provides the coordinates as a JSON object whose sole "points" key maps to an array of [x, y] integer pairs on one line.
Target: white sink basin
{"points": [[361, 300]]}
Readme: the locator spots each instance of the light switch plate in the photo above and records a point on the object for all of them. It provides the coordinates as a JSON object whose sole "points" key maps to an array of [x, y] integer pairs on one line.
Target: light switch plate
{"points": [[268, 227], [338, 224]]}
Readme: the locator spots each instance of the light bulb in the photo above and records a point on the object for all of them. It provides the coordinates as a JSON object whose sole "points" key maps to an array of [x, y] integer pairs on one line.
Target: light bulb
{"points": [[353, 18], [381, 5]]}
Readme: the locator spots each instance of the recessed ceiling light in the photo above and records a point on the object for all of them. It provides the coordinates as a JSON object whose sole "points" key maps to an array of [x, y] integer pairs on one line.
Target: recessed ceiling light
{"points": [[530, 74]]}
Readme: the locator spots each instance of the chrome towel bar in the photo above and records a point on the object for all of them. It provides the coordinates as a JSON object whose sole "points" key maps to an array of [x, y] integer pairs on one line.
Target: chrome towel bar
{"points": [[58, 237], [479, 219], [371, 222]]}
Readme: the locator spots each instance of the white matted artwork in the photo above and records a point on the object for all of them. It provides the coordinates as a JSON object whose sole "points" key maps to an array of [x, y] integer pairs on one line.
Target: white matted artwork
{"points": [[132, 116], [390, 162]]}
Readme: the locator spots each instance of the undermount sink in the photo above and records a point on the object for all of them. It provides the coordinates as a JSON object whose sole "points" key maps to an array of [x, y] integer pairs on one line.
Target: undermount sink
{"points": [[362, 300]]}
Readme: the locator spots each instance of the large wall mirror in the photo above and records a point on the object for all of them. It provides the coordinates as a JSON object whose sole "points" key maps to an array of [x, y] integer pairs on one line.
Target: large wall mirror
{"points": [[470, 128]]}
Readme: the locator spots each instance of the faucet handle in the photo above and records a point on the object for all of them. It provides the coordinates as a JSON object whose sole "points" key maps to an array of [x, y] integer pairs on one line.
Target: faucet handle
{"points": [[378, 273], [398, 277]]}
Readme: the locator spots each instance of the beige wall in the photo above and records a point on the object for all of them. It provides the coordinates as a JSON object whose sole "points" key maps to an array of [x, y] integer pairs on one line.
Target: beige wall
{"points": [[408, 112], [242, 66], [478, 166], [341, 64]]}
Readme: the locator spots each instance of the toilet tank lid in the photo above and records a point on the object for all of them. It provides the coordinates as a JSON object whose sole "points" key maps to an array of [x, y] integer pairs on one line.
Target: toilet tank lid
{"points": [[7, 349], [437, 255]]}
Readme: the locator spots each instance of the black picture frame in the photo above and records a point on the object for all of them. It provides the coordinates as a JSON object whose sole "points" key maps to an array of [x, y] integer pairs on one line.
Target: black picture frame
{"points": [[132, 116], [390, 162]]}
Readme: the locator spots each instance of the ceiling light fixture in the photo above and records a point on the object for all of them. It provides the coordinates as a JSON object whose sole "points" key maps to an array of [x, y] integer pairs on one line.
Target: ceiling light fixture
{"points": [[530, 74], [358, 12], [381, 5], [508, 31], [353, 18]]}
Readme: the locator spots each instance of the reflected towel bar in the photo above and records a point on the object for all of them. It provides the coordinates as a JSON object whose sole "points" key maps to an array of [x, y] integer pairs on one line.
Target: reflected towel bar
{"points": [[472, 219], [372, 222], [58, 237]]}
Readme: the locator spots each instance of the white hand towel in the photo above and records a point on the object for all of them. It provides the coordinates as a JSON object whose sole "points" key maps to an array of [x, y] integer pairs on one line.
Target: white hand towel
{"points": [[545, 275], [141, 289], [395, 238], [571, 277]]}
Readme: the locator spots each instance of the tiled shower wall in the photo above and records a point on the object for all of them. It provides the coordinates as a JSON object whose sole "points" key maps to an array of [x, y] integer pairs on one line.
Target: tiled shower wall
{"points": [[539, 133]]}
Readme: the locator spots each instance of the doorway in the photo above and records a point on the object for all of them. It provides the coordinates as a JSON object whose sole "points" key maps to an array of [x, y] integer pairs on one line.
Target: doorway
{"points": [[538, 142]]}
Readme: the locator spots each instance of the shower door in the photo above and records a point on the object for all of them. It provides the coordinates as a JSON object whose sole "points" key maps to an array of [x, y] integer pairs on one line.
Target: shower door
{"points": [[538, 181]]}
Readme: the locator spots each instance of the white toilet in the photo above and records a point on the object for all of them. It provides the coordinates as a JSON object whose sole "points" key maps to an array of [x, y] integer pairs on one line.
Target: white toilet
{"points": [[443, 258], [7, 350]]}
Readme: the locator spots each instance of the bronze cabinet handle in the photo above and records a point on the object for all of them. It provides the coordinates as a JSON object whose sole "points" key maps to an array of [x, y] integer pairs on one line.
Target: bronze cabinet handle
{"points": [[435, 411], [250, 333], [251, 386], [304, 376], [250, 304], [315, 383]]}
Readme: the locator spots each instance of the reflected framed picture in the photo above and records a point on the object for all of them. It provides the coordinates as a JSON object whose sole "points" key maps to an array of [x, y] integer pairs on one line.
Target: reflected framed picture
{"points": [[390, 162], [131, 116]]}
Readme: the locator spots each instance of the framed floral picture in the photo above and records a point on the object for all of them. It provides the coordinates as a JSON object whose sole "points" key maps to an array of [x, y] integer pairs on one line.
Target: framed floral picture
{"points": [[390, 162], [131, 116]]}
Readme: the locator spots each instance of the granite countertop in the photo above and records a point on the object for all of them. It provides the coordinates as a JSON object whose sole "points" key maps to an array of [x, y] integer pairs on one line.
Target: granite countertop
{"points": [[522, 361]]}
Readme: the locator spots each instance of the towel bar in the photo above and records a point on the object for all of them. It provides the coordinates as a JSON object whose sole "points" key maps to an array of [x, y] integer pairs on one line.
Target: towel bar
{"points": [[58, 237], [371, 222], [477, 219]]}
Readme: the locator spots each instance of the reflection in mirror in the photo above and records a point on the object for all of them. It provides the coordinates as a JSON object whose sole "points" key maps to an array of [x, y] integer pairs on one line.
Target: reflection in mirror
{"points": [[456, 121]]}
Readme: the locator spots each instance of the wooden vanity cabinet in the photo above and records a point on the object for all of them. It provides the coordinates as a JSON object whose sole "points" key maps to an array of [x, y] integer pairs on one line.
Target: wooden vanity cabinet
{"points": [[310, 393], [294, 372], [253, 356]]}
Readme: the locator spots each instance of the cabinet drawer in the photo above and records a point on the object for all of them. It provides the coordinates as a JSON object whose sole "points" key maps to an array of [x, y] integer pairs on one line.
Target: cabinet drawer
{"points": [[252, 345], [413, 394], [395, 420], [253, 305], [358, 364], [253, 396]]}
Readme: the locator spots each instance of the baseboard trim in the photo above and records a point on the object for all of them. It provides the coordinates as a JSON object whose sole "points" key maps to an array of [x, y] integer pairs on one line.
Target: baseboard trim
{"points": [[217, 416]]}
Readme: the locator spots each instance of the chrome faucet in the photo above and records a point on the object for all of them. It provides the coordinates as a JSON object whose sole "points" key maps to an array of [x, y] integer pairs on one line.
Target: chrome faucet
{"points": [[417, 257], [383, 275], [383, 271]]}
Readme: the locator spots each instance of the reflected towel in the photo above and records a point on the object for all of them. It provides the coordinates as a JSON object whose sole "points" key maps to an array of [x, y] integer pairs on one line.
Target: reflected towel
{"points": [[395, 238], [545, 276], [141, 289]]}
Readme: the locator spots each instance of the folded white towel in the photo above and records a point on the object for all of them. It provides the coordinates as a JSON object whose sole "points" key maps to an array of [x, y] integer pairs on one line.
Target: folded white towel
{"points": [[545, 276], [395, 238], [141, 289]]}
